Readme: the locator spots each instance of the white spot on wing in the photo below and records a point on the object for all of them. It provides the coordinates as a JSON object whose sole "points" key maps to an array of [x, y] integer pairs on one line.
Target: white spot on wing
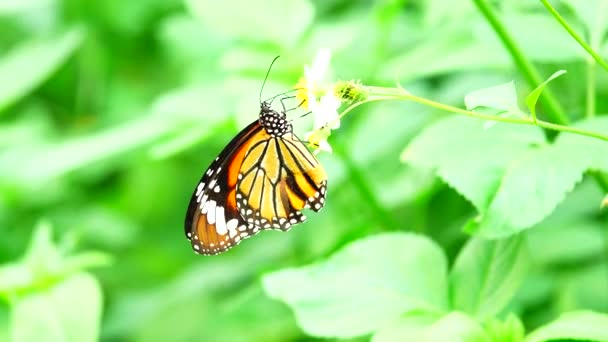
{"points": [[211, 212], [231, 225], [220, 221], [203, 200]]}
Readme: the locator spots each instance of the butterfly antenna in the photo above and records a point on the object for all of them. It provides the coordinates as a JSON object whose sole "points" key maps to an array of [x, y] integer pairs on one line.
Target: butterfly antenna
{"points": [[266, 77]]}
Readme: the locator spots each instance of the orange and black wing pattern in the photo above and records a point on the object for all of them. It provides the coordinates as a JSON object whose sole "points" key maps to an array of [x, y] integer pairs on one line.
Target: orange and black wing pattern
{"points": [[261, 180], [279, 177], [213, 223]]}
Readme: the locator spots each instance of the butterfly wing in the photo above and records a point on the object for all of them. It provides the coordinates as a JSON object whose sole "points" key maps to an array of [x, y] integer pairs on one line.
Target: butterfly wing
{"points": [[213, 223], [278, 178]]}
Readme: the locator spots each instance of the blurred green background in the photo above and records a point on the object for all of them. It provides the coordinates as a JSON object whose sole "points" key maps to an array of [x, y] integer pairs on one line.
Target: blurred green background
{"points": [[110, 111]]}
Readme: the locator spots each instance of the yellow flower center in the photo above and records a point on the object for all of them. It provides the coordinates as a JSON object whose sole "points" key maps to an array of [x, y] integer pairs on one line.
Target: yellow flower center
{"points": [[302, 92]]}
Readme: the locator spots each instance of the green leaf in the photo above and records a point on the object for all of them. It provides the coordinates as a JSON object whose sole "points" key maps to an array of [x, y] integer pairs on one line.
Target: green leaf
{"points": [[487, 274], [256, 20], [453, 327], [532, 98], [566, 241], [530, 189], [510, 330], [70, 155], [367, 284], [511, 176], [44, 263], [405, 327], [578, 326], [468, 157], [41, 257], [23, 69], [502, 96], [595, 150], [68, 311]]}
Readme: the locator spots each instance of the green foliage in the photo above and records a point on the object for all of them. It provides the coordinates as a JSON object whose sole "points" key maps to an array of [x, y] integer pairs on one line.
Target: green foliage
{"points": [[502, 97], [328, 297], [595, 152], [236, 19], [406, 298], [519, 180], [592, 15], [486, 275], [51, 298], [578, 326], [27, 65], [69, 311], [532, 98], [488, 231], [455, 326]]}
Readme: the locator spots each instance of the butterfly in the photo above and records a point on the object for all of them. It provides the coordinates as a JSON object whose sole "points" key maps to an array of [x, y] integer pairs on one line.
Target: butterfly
{"points": [[261, 180]]}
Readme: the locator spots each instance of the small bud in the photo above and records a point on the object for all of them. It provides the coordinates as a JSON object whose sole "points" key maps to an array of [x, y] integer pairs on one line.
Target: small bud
{"points": [[604, 204], [350, 91]]}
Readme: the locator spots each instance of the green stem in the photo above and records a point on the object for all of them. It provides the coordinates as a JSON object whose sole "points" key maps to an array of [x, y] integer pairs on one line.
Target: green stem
{"points": [[590, 93], [367, 193], [575, 35], [554, 110], [383, 94]]}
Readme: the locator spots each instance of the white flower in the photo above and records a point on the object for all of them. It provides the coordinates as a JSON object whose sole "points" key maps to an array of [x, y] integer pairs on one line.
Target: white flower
{"points": [[326, 112], [318, 96], [316, 74]]}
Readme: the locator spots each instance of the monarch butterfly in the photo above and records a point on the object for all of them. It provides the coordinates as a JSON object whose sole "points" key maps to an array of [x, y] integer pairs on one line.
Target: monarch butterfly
{"points": [[261, 180]]}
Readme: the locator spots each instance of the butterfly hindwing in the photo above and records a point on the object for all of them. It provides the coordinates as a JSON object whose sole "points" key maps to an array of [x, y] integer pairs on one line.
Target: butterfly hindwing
{"points": [[278, 179]]}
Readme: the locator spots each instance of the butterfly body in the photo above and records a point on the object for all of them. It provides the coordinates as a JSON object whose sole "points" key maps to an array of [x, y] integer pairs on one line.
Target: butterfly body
{"points": [[261, 180]]}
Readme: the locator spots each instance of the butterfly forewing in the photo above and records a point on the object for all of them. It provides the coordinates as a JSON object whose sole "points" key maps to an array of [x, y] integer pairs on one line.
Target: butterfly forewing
{"points": [[213, 224]]}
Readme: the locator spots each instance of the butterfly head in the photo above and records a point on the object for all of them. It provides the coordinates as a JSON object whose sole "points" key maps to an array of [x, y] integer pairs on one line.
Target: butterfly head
{"points": [[275, 123]]}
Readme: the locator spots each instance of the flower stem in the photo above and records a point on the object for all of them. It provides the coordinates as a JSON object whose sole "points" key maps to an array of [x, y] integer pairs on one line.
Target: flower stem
{"points": [[398, 94], [554, 110], [358, 179], [575, 35], [590, 93]]}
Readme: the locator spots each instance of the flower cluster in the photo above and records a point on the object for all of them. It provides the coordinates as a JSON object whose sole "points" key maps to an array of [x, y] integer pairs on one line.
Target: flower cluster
{"points": [[323, 98], [317, 95]]}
